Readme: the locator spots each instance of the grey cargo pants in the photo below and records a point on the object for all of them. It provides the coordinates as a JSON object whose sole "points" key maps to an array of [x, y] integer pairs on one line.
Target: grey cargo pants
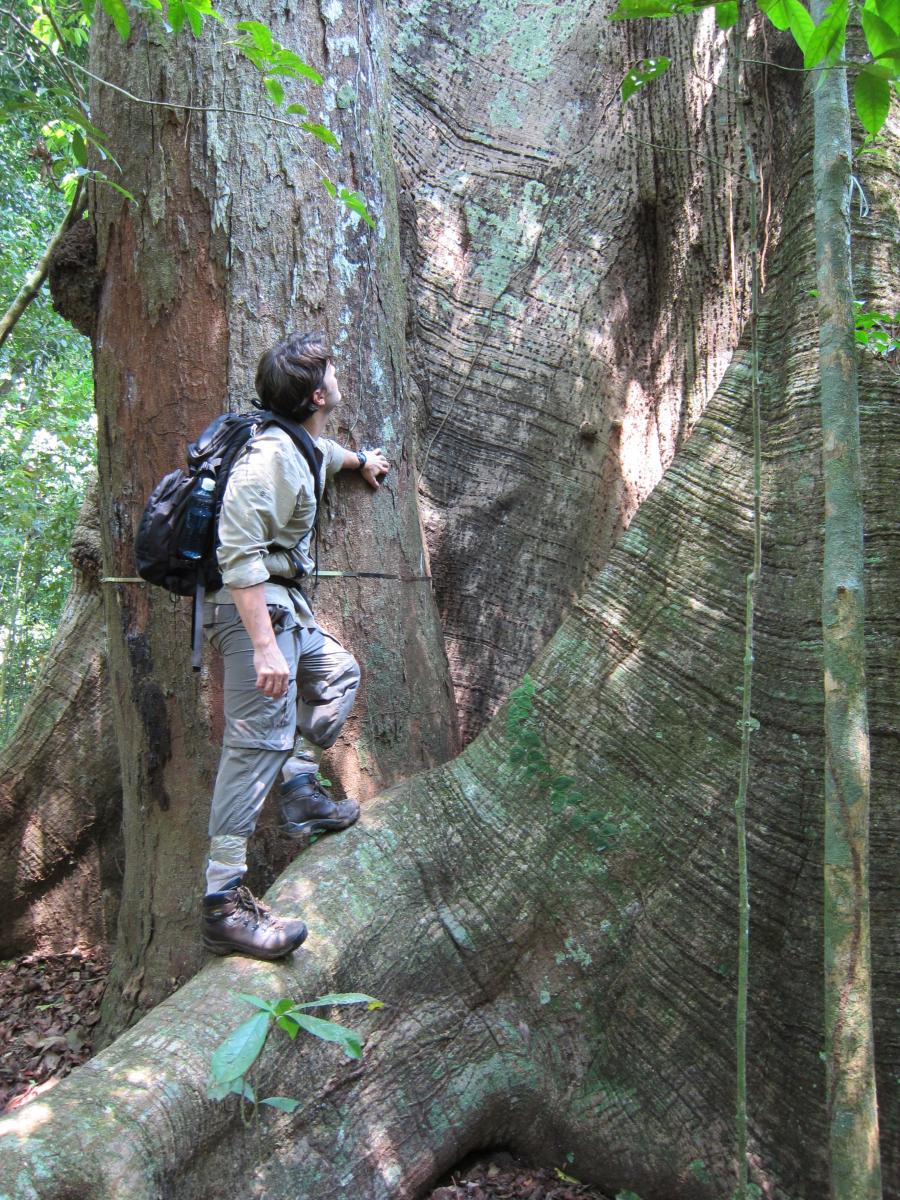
{"points": [[260, 731]]}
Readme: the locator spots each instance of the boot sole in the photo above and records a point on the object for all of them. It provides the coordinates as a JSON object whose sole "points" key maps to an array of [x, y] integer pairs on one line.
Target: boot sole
{"points": [[303, 831], [223, 948]]}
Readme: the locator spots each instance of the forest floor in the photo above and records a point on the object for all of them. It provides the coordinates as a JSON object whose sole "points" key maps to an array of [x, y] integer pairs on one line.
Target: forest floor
{"points": [[49, 1004], [502, 1177]]}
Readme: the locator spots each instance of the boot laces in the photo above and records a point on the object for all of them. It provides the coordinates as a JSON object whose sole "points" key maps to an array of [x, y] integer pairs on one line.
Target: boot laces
{"points": [[249, 903]]}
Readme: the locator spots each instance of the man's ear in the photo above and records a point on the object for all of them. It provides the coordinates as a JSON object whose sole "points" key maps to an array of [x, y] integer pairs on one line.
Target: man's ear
{"points": [[318, 397]]}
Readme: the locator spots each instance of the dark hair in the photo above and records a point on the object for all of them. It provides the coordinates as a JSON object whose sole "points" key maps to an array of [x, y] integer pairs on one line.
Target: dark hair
{"points": [[290, 372]]}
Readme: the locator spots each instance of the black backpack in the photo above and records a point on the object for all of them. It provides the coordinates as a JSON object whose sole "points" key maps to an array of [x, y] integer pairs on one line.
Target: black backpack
{"points": [[159, 533]]}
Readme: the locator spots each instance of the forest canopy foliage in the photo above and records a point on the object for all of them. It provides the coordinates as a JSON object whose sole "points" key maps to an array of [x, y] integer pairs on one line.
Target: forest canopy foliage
{"points": [[47, 439]]}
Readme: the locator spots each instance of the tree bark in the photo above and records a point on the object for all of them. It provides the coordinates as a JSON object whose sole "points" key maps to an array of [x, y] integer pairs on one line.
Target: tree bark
{"points": [[578, 279], [60, 799], [541, 993], [233, 243]]}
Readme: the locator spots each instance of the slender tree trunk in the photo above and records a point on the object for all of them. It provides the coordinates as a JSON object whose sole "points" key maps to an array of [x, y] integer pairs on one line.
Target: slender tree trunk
{"points": [[855, 1168]]}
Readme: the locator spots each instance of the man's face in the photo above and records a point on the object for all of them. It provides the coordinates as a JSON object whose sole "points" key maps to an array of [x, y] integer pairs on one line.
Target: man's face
{"points": [[329, 389]]}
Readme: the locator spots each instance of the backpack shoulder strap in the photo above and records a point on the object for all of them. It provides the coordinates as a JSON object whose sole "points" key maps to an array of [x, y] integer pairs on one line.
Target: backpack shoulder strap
{"points": [[304, 443]]}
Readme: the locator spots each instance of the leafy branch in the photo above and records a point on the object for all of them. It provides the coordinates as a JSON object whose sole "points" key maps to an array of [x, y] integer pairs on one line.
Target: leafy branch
{"points": [[41, 61], [238, 1053], [821, 44]]}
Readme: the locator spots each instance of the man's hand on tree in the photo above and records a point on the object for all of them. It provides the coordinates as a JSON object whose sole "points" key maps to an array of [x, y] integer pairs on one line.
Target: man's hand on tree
{"points": [[376, 467]]}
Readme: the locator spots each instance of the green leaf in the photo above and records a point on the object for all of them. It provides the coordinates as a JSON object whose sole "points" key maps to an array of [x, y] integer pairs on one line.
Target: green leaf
{"points": [[79, 149], [275, 90], [354, 201], [284, 1103], [872, 97], [71, 112], [889, 11], [176, 15], [726, 14], [801, 23], [117, 187], [790, 14], [879, 35], [234, 1087], [350, 1042], [776, 11], [644, 72], [891, 60], [240, 1050], [827, 39], [261, 35], [630, 10], [322, 133], [883, 42], [289, 1025], [118, 14], [286, 62], [341, 998], [194, 19], [330, 188], [299, 109], [258, 1002]]}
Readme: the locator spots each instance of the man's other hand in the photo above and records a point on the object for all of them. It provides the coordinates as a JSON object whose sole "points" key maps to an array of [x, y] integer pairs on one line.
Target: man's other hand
{"points": [[376, 467], [272, 674]]}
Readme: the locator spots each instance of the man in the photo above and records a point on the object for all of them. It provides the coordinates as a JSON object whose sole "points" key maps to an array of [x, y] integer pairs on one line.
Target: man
{"points": [[289, 686]]}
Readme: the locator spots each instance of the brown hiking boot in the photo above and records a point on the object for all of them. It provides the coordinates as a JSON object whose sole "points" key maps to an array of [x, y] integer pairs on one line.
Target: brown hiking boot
{"points": [[307, 809], [235, 922]]}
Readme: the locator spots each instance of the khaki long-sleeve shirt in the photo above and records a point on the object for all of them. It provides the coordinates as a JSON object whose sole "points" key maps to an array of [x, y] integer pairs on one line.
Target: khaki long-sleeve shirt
{"points": [[268, 510]]}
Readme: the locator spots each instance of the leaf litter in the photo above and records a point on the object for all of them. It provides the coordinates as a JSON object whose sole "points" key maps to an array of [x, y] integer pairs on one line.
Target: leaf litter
{"points": [[49, 1005], [503, 1177]]}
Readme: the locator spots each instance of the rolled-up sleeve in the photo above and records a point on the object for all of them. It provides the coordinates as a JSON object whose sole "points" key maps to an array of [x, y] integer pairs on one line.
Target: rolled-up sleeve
{"points": [[258, 503], [332, 456]]}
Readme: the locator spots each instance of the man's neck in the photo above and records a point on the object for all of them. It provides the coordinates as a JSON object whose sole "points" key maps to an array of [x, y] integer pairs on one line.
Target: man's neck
{"points": [[315, 425]]}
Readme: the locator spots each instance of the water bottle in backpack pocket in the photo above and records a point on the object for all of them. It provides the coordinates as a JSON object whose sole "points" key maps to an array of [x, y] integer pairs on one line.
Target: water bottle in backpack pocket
{"points": [[197, 531]]}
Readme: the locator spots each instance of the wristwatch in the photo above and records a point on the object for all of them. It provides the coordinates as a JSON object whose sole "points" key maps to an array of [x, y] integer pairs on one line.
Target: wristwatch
{"points": [[362, 456]]}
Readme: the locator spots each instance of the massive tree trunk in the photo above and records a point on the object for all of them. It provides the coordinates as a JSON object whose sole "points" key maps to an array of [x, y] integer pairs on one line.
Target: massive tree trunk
{"points": [[563, 983], [578, 284], [232, 243], [60, 852]]}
